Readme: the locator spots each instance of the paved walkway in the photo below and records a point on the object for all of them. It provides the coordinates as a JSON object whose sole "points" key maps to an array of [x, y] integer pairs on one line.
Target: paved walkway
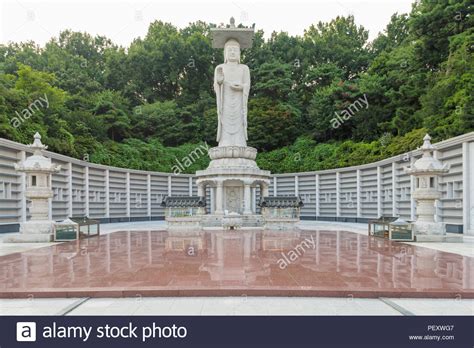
{"points": [[235, 306]]}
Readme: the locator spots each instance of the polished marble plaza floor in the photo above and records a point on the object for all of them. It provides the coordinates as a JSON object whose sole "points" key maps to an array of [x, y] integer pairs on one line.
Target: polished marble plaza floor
{"points": [[309, 263]]}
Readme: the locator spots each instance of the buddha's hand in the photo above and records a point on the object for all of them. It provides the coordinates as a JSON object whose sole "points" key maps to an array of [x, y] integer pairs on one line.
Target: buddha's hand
{"points": [[237, 86], [219, 75]]}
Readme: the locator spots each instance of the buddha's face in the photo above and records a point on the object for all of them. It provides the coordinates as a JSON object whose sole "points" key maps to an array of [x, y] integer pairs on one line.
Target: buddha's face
{"points": [[232, 53]]}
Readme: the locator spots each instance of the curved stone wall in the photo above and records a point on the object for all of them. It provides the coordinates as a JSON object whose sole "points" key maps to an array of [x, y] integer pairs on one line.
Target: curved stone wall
{"points": [[345, 194]]}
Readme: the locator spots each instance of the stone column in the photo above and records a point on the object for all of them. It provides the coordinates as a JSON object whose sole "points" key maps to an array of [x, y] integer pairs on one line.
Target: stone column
{"points": [[107, 193], [379, 191], [316, 193], [86, 185], [212, 199], [169, 185], [412, 189], [247, 198], [253, 195], [425, 208], [264, 190], [70, 203], [394, 190], [468, 188], [148, 195], [358, 194], [219, 198], [127, 190], [201, 190]]}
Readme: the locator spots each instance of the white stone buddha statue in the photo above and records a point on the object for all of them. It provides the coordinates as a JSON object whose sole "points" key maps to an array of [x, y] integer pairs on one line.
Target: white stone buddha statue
{"points": [[232, 85]]}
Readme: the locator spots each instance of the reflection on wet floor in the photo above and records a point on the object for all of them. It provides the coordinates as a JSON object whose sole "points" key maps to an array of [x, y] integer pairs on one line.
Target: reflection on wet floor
{"points": [[264, 260]]}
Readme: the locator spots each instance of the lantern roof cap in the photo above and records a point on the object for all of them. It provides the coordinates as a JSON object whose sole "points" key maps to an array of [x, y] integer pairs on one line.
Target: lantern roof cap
{"points": [[37, 144], [427, 164], [37, 162]]}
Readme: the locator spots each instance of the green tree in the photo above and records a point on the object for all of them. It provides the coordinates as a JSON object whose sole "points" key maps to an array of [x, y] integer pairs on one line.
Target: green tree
{"points": [[145, 105], [112, 109], [156, 63], [272, 124], [341, 42], [447, 109], [328, 104], [433, 22], [273, 80], [394, 35]]}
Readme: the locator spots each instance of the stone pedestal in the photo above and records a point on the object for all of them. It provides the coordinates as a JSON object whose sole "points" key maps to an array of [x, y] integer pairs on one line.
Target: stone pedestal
{"points": [[281, 224], [429, 231], [252, 221], [434, 232], [233, 176], [232, 221], [33, 232]]}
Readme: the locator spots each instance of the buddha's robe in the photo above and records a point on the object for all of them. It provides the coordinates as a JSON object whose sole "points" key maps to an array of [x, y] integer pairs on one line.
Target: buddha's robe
{"points": [[232, 104]]}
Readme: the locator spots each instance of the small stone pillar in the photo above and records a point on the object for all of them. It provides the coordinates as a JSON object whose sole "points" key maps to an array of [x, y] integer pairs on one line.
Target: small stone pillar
{"points": [[201, 192], [264, 189], [219, 198], [38, 170], [247, 197], [426, 171]]}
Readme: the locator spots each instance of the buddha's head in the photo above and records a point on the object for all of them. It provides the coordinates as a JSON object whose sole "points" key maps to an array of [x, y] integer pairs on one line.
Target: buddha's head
{"points": [[232, 51]]}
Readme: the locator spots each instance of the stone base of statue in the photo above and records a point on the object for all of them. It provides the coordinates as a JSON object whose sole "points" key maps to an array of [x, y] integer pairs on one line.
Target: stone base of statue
{"points": [[226, 221], [34, 231], [433, 232], [236, 157], [234, 183], [281, 224], [232, 221]]}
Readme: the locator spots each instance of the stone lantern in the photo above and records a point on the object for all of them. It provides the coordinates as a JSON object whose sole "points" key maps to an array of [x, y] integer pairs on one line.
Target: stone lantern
{"points": [[38, 170], [426, 171]]}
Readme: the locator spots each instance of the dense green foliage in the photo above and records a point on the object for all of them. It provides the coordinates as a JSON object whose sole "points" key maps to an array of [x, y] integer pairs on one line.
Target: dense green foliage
{"points": [[148, 106]]}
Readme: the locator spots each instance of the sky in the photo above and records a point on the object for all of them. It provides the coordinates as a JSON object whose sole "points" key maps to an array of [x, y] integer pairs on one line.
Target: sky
{"points": [[123, 21]]}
